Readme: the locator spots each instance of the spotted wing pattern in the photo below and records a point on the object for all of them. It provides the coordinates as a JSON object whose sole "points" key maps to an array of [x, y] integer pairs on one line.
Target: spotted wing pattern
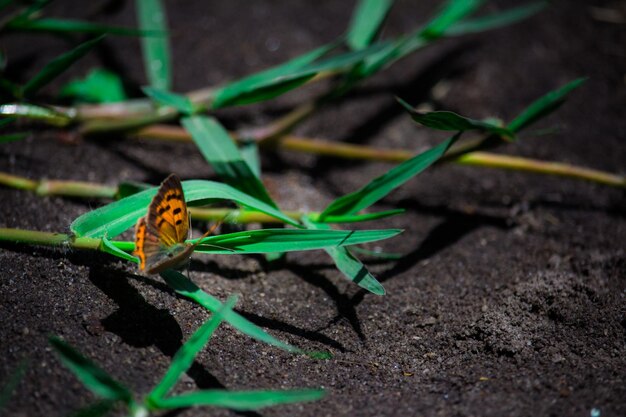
{"points": [[160, 234]]}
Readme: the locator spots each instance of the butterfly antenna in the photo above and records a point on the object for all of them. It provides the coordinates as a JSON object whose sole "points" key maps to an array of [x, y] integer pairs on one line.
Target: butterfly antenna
{"points": [[211, 230]]}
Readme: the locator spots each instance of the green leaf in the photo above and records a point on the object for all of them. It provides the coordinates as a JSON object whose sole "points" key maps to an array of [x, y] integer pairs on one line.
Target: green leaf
{"points": [[288, 240], [544, 105], [383, 185], [107, 246], [348, 264], [115, 218], [250, 153], [496, 20], [13, 137], [452, 12], [99, 86], [167, 98], [156, 50], [447, 120], [94, 378], [183, 286], [278, 80], [185, 356], [58, 66], [220, 151], [240, 400], [366, 21], [31, 111], [12, 381], [53, 25]]}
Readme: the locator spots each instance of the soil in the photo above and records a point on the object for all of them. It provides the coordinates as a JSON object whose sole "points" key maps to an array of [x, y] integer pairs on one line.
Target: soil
{"points": [[510, 296]]}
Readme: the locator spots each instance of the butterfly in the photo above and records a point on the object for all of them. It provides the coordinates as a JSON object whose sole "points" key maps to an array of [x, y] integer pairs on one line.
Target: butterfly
{"points": [[160, 235]]}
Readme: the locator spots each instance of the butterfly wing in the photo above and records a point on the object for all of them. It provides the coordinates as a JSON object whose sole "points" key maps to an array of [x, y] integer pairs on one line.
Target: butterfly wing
{"points": [[167, 213], [147, 246]]}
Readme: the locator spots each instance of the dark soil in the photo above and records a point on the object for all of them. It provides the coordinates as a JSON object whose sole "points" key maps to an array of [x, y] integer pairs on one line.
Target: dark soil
{"points": [[510, 299]]}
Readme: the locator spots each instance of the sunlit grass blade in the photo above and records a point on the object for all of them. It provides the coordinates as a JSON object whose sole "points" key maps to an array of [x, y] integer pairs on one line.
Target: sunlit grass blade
{"points": [[94, 378], [57, 66], [348, 264], [222, 154], [278, 83], [452, 12], [544, 105], [167, 98], [110, 248], [12, 381], [366, 21], [185, 356], [156, 49], [185, 287], [99, 86], [383, 185], [287, 240], [250, 153], [34, 113], [447, 120], [53, 25], [241, 400], [357, 218], [246, 90], [496, 20], [115, 218]]}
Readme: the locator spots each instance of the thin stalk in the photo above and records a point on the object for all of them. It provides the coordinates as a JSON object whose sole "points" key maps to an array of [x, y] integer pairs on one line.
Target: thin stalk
{"points": [[46, 187]]}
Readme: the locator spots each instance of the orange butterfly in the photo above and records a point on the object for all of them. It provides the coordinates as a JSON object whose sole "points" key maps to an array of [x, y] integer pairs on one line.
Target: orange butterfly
{"points": [[160, 235]]}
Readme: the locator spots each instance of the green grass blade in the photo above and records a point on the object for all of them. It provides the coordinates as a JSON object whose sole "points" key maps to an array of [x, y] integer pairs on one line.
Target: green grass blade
{"points": [[13, 137], [357, 218], [452, 12], [366, 21], [58, 66], [348, 264], [156, 49], [287, 240], [33, 112], [52, 25], [496, 20], [185, 356], [544, 105], [383, 185], [377, 254], [250, 153], [183, 286], [241, 400], [13, 380], [167, 98], [266, 84], [220, 151], [94, 378], [115, 218], [108, 247], [99, 86], [450, 121]]}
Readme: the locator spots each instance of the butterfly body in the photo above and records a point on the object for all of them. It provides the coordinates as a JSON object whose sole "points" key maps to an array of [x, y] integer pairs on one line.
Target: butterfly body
{"points": [[160, 235]]}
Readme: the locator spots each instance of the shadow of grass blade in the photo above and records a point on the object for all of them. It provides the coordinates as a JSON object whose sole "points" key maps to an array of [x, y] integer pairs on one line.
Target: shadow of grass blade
{"points": [[241, 400], [57, 66], [450, 121], [383, 185], [287, 240], [114, 218], [185, 287], [94, 378], [348, 264], [544, 105], [222, 154], [185, 356], [496, 20], [155, 49], [97, 409], [366, 21]]}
